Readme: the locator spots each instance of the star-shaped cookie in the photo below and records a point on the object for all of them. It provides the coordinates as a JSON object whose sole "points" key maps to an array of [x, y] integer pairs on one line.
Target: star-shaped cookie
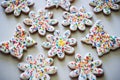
{"points": [[59, 44], [86, 68], [17, 6], [105, 5], [41, 21], [64, 4], [77, 18], [37, 68]]}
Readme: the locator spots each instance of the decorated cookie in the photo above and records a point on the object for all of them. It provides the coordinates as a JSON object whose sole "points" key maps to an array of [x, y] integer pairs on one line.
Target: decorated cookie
{"points": [[17, 6], [101, 39], [40, 22], [77, 18], [105, 5], [37, 68], [86, 68], [59, 44], [18, 43], [64, 4]]}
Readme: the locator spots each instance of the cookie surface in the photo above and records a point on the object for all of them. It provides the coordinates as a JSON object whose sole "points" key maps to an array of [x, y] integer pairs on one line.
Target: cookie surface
{"points": [[105, 5], [64, 4], [100, 39], [85, 68], [37, 68], [41, 22], [18, 43], [17, 6], [59, 44], [77, 18]]}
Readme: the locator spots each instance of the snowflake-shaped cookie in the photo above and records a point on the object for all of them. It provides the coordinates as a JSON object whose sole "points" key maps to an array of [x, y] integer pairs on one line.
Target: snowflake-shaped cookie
{"points": [[65, 4], [19, 42], [37, 68], [101, 39], [59, 44], [17, 6], [105, 5], [40, 22], [77, 18], [85, 68]]}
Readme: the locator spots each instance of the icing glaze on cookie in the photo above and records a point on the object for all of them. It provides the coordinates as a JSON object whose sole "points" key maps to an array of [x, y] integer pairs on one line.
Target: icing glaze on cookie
{"points": [[40, 22], [18, 43], [101, 39], [17, 6], [59, 44], [37, 68], [105, 5], [77, 18], [85, 68], [65, 4]]}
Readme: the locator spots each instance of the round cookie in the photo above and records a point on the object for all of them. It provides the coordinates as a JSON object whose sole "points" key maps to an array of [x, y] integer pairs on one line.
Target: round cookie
{"points": [[77, 18], [105, 5], [18, 43], [86, 68], [59, 44], [17, 6], [41, 22], [100, 39], [64, 4], [37, 68]]}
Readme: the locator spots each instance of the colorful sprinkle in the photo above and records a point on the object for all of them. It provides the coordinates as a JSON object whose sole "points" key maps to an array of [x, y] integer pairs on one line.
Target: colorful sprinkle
{"points": [[65, 4], [105, 5], [101, 39], [85, 68], [19, 42], [37, 68], [59, 44], [40, 22], [17, 6], [77, 18]]}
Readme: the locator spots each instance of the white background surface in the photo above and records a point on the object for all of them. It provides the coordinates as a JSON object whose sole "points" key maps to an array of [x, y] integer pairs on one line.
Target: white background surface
{"points": [[111, 61]]}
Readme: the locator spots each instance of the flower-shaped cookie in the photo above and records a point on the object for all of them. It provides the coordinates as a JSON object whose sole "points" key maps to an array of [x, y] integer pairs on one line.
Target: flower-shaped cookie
{"points": [[65, 4], [59, 44], [85, 68], [105, 5], [19, 42], [77, 18], [17, 6], [40, 22], [101, 39], [37, 68]]}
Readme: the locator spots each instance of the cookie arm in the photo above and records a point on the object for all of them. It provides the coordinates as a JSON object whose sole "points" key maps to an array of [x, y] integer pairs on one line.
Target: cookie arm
{"points": [[72, 41], [27, 21], [5, 3], [46, 45], [86, 40], [52, 21], [51, 69], [4, 47], [69, 49]]}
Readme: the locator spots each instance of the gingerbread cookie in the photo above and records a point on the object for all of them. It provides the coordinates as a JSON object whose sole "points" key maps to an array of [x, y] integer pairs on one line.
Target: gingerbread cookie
{"points": [[105, 5], [17, 6], [101, 39], [59, 44], [77, 18], [40, 22], [37, 68], [86, 68], [64, 4], [18, 43]]}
